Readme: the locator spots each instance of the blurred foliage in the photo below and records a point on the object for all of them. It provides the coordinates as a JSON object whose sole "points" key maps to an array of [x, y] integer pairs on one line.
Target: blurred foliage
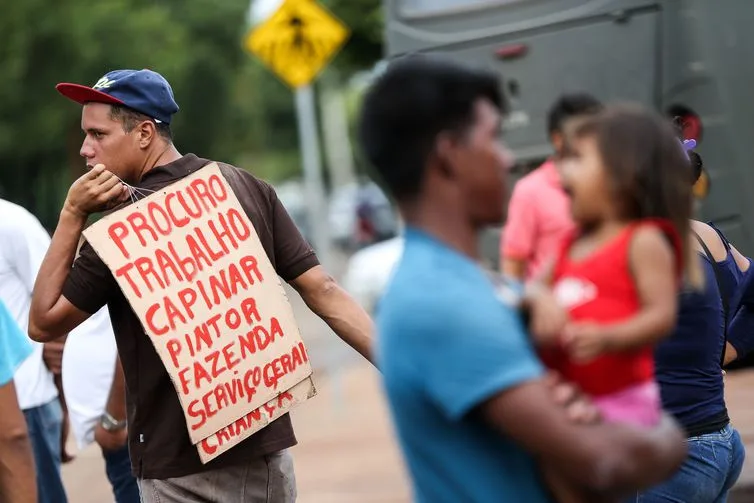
{"points": [[232, 109]]}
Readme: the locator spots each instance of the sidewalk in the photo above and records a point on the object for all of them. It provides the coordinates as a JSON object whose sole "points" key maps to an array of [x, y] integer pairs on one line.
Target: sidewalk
{"points": [[738, 392]]}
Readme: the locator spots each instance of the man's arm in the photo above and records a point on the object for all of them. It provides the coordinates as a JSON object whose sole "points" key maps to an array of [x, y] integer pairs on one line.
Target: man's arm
{"points": [[479, 362], [17, 477], [330, 302], [605, 458], [51, 314], [116, 409], [519, 235], [514, 268]]}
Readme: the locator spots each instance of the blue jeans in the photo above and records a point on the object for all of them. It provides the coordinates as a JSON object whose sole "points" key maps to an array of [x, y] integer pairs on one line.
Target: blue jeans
{"points": [[45, 424], [118, 468], [713, 465]]}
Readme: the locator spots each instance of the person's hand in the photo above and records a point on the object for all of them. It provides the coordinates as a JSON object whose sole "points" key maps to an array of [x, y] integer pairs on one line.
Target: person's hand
{"points": [[548, 317], [584, 341], [52, 354], [65, 456], [578, 406], [110, 440], [97, 190]]}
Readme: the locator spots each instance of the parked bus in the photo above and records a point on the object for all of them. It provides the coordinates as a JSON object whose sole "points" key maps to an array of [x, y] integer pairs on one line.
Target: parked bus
{"points": [[693, 58]]}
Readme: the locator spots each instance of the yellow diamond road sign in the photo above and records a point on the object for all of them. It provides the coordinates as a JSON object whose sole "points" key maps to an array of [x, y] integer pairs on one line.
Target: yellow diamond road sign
{"points": [[297, 41]]}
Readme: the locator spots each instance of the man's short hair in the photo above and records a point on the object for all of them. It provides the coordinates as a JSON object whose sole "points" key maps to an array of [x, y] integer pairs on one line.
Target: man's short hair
{"points": [[130, 118], [415, 99], [568, 106]]}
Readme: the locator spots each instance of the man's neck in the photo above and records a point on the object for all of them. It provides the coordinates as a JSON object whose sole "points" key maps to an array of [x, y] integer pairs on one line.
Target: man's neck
{"points": [[160, 158], [445, 225]]}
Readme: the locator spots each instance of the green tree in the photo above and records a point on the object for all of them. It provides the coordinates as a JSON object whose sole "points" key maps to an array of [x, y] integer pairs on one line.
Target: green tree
{"points": [[194, 44], [366, 21], [231, 107]]}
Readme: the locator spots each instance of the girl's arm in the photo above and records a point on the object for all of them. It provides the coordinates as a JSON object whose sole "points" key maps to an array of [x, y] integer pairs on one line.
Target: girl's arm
{"points": [[547, 318], [653, 265]]}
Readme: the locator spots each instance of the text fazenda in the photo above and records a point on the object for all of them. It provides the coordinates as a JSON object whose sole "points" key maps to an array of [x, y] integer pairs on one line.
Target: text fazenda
{"points": [[230, 393]]}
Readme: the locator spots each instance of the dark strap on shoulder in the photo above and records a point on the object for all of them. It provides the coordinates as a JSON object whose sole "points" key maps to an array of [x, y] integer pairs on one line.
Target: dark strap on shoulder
{"points": [[723, 293], [725, 241]]}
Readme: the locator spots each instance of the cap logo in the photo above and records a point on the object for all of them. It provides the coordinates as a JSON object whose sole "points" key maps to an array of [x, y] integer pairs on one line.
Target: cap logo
{"points": [[103, 83]]}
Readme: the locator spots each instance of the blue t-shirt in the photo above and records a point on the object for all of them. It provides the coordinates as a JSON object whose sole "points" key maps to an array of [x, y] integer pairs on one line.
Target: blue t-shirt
{"points": [[14, 346], [446, 343]]}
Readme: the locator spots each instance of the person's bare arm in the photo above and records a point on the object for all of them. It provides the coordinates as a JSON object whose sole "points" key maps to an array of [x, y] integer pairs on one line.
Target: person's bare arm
{"points": [[519, 237], [52, 315], [741, 324], [17, 475], [547, 317], [514, 268], [654, 270], [731, 354], [116, 408], [330, 302], [605, 458], [52, 355]]}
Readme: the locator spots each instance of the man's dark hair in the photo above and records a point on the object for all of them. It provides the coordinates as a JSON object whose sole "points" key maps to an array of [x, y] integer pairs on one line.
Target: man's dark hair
{"points": [[569, 106], [417, 98], [130, 118]]}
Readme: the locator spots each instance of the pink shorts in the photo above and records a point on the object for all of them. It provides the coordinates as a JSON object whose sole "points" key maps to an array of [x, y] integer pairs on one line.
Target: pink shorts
{"points": [[639, 405]]}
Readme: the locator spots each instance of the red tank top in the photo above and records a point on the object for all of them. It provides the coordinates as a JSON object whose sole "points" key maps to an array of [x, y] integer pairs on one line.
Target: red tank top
{"points": [[600, 289]]}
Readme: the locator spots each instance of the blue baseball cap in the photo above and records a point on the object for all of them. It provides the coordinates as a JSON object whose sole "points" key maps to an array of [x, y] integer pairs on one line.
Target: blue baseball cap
{"points": [[144, 91]]}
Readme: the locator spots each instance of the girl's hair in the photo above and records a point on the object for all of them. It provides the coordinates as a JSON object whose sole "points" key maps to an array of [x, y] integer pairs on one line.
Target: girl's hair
{"points": [[647, 168]]}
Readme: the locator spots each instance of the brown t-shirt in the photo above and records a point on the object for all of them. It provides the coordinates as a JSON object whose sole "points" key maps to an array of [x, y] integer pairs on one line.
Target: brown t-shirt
{"points": [[158, 437]]}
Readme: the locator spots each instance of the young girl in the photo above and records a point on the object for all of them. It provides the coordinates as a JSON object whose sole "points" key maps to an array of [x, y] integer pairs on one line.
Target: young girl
{"points": [[612, 291]]}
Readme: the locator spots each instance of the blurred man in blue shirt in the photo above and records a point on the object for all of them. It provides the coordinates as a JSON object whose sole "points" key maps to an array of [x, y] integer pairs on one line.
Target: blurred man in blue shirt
{"points": [[472, 406]]}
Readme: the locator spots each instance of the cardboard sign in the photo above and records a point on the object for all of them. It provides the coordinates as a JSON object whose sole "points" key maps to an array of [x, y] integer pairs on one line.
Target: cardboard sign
{"points": [[191, 264], [244, 427]]}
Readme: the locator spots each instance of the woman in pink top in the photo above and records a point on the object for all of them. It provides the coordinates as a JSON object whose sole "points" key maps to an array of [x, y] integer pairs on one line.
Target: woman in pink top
{"points": [[539, 216]]}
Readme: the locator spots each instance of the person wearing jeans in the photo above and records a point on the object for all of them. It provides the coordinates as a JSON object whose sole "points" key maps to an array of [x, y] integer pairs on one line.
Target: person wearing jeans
{"points": [[712, 330], [45, 424]]}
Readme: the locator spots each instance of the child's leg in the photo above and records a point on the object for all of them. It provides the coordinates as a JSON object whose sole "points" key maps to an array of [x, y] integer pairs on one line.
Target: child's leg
{"points": [[640, 405]]}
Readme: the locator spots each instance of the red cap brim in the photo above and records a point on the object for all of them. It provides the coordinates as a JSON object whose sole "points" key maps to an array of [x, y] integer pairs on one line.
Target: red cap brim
{"points": [[83, 94]]}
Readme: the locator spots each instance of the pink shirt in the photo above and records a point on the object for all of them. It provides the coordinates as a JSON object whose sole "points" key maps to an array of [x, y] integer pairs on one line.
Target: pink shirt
{"points": [[539, 219]]}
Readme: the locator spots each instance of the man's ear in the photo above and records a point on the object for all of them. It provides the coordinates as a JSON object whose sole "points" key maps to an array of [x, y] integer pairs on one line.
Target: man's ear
{"points": [[446, 151], [147, 131], [556, 138]]}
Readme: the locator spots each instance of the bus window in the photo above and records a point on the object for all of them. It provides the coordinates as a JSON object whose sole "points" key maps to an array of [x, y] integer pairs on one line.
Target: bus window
{"points": [[421, 8]]}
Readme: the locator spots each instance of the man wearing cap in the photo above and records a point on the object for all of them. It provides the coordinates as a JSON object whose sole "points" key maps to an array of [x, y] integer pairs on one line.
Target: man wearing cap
{"points": [[126, 120]]}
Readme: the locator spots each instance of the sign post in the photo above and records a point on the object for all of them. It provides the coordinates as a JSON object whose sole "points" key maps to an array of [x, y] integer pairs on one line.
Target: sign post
{"points": [[307, 131], [296, 43]]}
